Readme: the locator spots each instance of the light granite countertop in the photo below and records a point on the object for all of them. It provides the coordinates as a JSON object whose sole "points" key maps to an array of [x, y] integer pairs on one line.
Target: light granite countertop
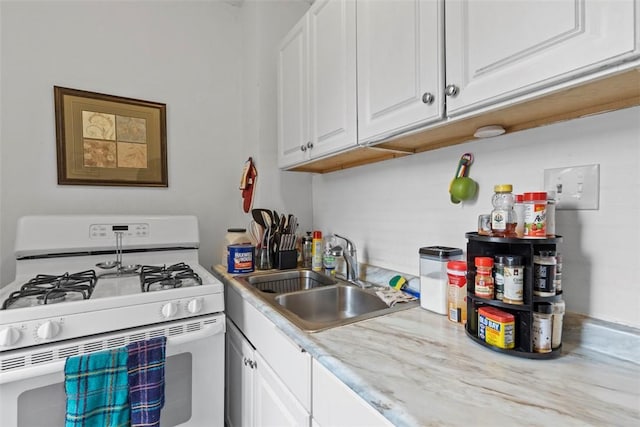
{"points": [[418, 369]]}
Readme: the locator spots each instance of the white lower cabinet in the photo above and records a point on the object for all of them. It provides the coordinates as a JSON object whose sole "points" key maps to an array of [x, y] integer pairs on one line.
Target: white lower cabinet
{"points": [[335, 404], [271, 381], [239, 379], [274, 405], [255, 395]]}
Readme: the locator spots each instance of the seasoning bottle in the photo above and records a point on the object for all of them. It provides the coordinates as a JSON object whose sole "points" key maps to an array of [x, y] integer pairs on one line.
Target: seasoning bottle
{"points": [[541, 330], [558, 279], [544, 273], [513, 279], [518, 207], [551, 214], [483, 286], [556, 323], [457, 298], [503, 217], [535, 215], [498, 276], [316, 251], [307, 245]]}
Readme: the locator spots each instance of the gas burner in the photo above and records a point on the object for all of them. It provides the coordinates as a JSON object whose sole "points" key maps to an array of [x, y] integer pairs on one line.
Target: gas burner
{"points": [[50, 289], [155, 278], [52, 297]]}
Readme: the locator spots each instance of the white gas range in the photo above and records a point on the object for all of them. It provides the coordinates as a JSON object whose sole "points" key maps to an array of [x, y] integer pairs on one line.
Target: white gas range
{"points": [[90, 283]]}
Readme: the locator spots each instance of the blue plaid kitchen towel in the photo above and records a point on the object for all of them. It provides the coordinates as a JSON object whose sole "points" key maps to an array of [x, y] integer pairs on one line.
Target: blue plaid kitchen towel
{"points": [[97, 389], [146, 380]]}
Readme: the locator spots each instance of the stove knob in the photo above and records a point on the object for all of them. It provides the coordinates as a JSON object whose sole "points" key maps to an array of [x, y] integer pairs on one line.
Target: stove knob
{"points": [[48, 330], [9, 336], [194, 306], [169, 310]]}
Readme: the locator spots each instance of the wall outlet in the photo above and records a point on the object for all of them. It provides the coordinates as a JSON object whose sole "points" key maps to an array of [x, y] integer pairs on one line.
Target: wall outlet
{"points": [[576, 187]]}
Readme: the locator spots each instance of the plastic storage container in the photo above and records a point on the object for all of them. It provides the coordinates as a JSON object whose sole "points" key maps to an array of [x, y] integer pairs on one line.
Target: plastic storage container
{"points": [[234, 236], [433, 276]]}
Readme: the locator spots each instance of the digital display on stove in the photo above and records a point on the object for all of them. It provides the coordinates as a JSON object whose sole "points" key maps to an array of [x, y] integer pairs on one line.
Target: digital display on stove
{"points": [[120, 228]]}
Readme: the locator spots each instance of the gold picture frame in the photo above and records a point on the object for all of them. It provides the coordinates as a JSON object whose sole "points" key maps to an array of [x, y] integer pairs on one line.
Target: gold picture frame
{"points": [[109, 140]]}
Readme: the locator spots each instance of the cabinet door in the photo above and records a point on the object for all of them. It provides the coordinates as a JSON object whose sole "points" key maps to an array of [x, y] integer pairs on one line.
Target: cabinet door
{"points": [[238, 379], [293, 100], [274, 403], [332, 75], [496, 50], [400, 66], [335, 404]]}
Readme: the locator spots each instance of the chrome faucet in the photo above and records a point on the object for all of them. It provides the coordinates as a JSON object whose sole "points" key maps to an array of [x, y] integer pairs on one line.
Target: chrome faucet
{"points": [[350, 258]]}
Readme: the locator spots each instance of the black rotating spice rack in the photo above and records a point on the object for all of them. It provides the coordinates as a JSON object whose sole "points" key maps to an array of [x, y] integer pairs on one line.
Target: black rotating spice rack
{"points": [[478, 245]]}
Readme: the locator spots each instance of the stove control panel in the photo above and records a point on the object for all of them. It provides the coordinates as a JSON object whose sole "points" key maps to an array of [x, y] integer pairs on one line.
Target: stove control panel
{"points": [[107, 231], [9, 336]]}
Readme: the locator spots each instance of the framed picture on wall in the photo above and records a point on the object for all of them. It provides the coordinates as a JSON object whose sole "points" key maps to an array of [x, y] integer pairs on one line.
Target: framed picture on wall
{"points": [[109, 140]]}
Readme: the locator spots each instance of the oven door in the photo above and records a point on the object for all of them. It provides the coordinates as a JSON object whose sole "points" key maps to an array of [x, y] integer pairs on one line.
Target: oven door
{"points": [[32, 382]]}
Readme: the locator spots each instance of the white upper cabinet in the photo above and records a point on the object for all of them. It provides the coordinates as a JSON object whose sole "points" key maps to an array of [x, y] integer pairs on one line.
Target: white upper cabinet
{"points": [[317, 84], [293, 114], [496, 50], [332, 76], [400, 66]]}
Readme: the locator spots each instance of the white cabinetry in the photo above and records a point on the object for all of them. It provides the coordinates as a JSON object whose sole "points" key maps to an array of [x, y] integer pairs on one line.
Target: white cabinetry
{"points": [[400, 66], [239, 382], [335, 404], [317, 84], [293, 113], [255, 395], [273, 402], [496, 50]]}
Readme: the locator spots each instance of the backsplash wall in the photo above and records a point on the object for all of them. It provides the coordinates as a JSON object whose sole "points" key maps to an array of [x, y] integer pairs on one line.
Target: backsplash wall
{"points": [[393, 208]]}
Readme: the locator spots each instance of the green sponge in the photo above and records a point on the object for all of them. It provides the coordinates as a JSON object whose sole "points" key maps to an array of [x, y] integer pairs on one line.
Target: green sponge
{"points": [[398, 282]]}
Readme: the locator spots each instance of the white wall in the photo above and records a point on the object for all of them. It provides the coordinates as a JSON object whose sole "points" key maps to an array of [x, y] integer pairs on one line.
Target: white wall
{"points": [[266, 22], [393, 208], [187, 54]]}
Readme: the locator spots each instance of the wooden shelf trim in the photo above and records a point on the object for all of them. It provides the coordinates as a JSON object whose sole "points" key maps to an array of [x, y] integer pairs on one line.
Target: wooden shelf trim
{"points": [[605, 94]]}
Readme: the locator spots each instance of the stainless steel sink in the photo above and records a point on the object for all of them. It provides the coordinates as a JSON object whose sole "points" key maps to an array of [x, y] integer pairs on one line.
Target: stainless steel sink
{"points": [[288, 281], [315, 302]]}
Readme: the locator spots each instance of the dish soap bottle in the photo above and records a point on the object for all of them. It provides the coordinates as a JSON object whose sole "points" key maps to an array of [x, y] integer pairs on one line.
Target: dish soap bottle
{"points": [[316, 251]]}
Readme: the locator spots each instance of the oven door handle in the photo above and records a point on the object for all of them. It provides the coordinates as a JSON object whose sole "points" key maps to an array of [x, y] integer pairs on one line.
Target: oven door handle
{"points": [[57, 366]]}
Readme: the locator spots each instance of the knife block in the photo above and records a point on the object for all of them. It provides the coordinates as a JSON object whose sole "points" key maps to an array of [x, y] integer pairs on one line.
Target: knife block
{"points": [[286, 260]]}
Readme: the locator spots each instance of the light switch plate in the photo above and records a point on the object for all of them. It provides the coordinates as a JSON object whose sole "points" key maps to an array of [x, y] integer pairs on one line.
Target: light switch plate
{"points": [[576, 187]]}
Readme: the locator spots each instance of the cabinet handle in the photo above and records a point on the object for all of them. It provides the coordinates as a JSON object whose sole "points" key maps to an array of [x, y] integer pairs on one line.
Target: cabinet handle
{"points": [[428, 98], [309, 145], [451, 90]]}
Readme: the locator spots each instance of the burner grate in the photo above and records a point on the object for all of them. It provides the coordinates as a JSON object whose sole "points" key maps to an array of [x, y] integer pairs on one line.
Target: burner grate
{"points": [[50, 289], [154, 278]]}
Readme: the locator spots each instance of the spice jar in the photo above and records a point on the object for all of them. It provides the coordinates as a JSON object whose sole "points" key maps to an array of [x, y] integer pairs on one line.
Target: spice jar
{"points": [[513, 271], [518, 207], [551, 214], [535, 215], [544, 273], [498, 276], [483, 286], [541, 329], [503, 217], [457, 301], [556, 323]]}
